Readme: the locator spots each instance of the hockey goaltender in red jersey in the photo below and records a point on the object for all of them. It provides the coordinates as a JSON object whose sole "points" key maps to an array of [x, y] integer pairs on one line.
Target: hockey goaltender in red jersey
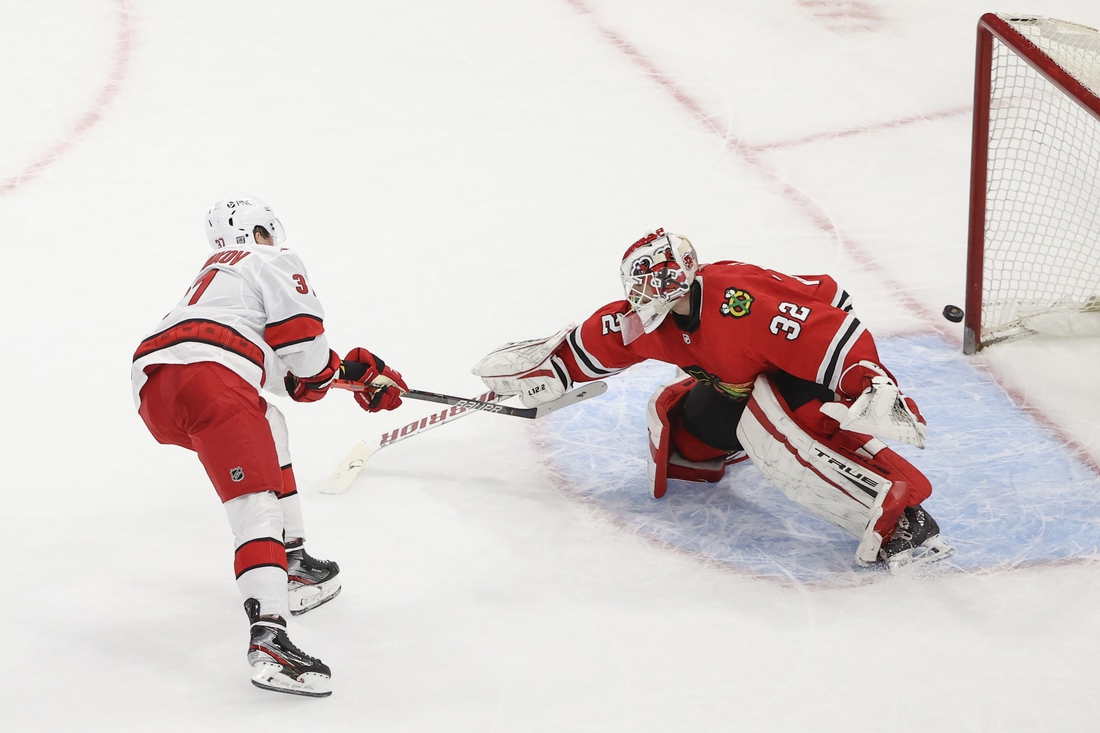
{"points": [[779, 370], [252, 321]]}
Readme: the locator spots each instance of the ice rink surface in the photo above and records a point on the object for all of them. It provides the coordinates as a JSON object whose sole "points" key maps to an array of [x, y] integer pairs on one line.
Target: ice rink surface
{"points": [[458, 175]]}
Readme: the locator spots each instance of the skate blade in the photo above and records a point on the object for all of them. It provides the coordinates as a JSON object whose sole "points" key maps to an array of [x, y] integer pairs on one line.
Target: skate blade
{"points": [[269, 676], [933, 550], [305, 598]]}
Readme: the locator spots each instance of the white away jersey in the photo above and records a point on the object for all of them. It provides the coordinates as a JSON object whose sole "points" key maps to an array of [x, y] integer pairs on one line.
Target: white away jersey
{"points": [[252, 310]]}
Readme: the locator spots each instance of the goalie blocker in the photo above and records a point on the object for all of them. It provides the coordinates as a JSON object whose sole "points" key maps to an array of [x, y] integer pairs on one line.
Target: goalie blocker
{"points": [[852, 481]]}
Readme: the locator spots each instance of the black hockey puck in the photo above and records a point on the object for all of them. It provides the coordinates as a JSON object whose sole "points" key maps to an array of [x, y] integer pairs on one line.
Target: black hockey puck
{"points": [[953, 313]]}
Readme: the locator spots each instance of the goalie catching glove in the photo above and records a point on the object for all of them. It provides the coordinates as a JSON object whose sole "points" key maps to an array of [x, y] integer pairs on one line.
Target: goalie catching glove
{"points": [[880, 409], [529, 369], [386, 385]]}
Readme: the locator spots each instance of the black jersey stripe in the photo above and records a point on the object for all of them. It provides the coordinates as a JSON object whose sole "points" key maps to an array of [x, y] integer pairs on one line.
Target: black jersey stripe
{"points": [[839, 349], [582, 355]]}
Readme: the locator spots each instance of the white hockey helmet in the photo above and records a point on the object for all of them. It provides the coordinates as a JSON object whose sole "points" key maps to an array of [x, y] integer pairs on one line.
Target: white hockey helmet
{"points": [[231, 222], [657, 270]]}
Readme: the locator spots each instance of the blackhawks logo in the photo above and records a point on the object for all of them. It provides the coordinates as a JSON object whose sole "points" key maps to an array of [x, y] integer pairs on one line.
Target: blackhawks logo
{"points": [[738, 302], [736, 391]]}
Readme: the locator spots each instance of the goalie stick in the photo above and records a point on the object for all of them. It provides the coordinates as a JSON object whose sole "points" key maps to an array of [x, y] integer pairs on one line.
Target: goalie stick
{"points": [[460, 407]]}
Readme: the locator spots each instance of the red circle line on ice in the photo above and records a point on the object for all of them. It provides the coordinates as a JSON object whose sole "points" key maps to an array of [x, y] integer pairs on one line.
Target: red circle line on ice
{"points": [[108, 92]]}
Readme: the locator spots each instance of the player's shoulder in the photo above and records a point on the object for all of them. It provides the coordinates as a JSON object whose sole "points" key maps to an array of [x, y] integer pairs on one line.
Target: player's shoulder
{"points": [[278, 258], [731, 269], [735, 290], [256, 261], [719, 277], [607, 319], [240, 257], [284, 253]]}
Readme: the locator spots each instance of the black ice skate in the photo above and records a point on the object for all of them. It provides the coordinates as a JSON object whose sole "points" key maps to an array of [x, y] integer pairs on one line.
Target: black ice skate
{"points": [[916, 541], [277, 664], [310, 582]]}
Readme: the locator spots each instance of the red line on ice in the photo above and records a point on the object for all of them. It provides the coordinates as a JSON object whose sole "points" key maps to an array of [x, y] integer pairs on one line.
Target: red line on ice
{"points": [[752, 155], [877, 127], [120, 67]]}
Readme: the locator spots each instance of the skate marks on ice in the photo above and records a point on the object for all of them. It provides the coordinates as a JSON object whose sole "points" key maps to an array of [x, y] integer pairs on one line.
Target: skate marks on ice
{"points": [[1007, 493], [846, 17]]}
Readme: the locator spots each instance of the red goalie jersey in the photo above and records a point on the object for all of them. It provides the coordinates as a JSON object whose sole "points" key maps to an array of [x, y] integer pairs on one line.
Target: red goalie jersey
{"points": [[744, 321]]}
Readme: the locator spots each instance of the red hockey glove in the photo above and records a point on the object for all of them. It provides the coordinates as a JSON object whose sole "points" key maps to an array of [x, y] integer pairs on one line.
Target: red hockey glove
{"points": [[311, 389], [363, 367]]}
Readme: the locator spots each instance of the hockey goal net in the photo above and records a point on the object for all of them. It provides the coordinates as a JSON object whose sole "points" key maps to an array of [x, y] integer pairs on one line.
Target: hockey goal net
{"points": [[1034, 241]]}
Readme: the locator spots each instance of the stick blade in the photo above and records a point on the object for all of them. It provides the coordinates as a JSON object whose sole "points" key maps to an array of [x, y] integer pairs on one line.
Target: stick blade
{"points": [[353, 462], [587, 392]]}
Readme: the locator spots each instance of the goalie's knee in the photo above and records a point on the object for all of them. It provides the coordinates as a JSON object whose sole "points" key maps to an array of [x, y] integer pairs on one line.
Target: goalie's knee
{"points": [[708, 419], [681, 425], [687, 444]]}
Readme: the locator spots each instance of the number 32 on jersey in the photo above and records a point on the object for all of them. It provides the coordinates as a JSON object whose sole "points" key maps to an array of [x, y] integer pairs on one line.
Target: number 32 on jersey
{"points": [[791, 327]]}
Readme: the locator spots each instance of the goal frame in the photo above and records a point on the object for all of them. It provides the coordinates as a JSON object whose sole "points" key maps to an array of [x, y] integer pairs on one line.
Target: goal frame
{"points": [[991, 26]]}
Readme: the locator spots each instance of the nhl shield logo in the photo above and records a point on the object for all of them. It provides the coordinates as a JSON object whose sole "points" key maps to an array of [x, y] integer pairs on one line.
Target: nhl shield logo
{"points": [[237, 474]]}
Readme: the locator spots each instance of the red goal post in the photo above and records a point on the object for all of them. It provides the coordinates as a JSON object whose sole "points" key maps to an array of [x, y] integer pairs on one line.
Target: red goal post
{"points": [[1034, 236]]}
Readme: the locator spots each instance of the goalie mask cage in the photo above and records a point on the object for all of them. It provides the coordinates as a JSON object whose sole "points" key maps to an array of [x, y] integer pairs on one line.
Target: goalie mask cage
{"points": [[1034, 240]]}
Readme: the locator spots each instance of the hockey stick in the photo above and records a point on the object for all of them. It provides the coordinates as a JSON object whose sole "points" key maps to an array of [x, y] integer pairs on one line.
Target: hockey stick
{"points": [[593, 389], [358, 455], [460, 406]]}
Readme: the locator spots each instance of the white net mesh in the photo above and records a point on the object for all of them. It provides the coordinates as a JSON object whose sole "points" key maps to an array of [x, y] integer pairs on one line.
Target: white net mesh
{"points": [[1042, 238]]}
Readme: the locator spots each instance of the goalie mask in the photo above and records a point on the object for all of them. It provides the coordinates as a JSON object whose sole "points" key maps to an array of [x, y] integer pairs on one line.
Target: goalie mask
{"points": [[231, 223], [657, 270]]}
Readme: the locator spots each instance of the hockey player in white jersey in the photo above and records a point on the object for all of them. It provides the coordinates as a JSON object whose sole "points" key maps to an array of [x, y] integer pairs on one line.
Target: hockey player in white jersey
{"points": [[251, 322]]}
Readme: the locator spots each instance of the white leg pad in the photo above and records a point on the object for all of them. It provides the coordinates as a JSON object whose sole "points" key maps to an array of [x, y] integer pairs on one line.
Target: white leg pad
{"points": [[830, 486]]}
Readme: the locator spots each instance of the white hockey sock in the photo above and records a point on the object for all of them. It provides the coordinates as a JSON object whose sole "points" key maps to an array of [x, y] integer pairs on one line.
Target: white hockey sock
{"points": [[293, 524], [268, 586], [260, 559]]}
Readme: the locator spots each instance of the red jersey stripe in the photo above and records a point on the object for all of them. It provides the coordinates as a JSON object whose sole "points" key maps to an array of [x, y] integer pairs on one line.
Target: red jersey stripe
{"points": [[260, 553], [203, 332], [293, 331], [290, 486]]}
